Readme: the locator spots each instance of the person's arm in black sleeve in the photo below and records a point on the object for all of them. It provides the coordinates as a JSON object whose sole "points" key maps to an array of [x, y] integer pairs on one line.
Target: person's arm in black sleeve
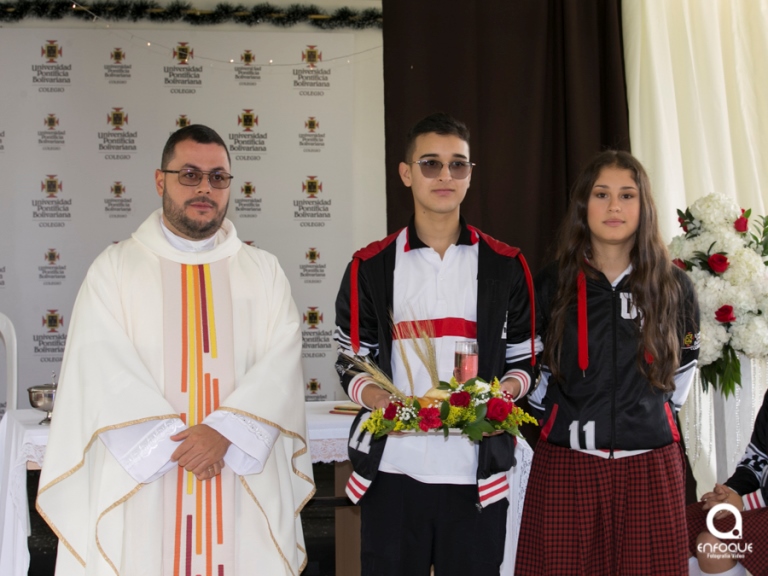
{"points": [[352, 381], [750, 480], [689, 347], [518, 363]]}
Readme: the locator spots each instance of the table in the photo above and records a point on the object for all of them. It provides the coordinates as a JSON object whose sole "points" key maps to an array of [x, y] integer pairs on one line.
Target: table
{"points": [[23, 441]]}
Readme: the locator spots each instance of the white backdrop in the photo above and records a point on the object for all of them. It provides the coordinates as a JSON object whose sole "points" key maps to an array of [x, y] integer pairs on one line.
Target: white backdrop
{"points": [[82, 127]]}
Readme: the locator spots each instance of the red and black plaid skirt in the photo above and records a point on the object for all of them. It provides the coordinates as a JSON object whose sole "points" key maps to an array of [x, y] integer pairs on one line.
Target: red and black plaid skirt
{"points": [[754, 524], [585, 515]]}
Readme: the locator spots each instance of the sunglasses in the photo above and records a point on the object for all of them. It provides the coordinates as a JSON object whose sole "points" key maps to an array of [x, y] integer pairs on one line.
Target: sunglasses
{"points": [[432, 168]]}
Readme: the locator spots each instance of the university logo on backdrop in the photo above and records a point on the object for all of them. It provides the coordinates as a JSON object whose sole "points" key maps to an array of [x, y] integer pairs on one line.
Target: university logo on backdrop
{"points": [[183, 53], [183, 121], [118, 71], [249, 206], [52, 211], [311, 80], [316, 342], [312, 56], [51, 138], [312, 186], [119, 141], [52, 320], [248, 73], [183, 77], [52, 76], [313, 272], [313, 391], [249, 144], [51, 51], [312, 212], [117, 55], [119, 205], [48, 345], [53, 273], [51, 186], [313, 317], [51, 122], [52, 256], [248, 120], [312, 140]]}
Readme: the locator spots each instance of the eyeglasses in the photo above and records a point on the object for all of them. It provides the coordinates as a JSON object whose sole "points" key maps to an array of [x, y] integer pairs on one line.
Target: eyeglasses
{"points": [[190, 177], [433, 168]]}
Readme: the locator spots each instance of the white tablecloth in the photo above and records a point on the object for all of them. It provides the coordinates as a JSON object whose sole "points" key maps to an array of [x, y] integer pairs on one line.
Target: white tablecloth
{"points": [[22, 440]]}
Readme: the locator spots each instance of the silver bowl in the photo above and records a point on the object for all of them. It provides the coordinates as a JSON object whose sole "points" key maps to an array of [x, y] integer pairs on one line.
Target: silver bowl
{"points": [[42, 398]]}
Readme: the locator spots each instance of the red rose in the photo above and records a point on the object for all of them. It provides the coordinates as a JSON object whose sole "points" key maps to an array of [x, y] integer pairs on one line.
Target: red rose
{"points": [[741, 224], [460, 399], [430, 418], [725, 314], [498, 409], [679, 263], [391, 411], [718, 263], [682, 224]]}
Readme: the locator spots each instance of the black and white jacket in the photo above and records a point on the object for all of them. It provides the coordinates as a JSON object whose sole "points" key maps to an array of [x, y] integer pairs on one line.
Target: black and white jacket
{"points": [[750, 480], [505, 324], [603, 403]]}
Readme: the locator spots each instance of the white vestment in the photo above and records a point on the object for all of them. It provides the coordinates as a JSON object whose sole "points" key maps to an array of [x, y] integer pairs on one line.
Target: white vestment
{"points": [[107, 510]]}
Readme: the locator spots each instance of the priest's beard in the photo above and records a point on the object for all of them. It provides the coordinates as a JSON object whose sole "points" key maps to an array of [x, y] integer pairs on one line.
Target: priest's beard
{"points": [[194, 229]]}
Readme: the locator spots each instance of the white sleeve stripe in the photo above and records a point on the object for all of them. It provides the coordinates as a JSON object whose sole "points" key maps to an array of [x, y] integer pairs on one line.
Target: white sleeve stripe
{"points": [[356, 386], [522, 350], [753, 501], [692, 364], [346, 343], [525, 381]]}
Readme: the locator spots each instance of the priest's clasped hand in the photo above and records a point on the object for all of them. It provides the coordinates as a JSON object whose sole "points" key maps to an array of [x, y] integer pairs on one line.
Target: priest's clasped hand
{"points": [[201, 451]]}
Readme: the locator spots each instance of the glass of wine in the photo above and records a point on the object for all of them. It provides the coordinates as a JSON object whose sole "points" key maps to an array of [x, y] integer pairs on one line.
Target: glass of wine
{"points": [[465, 361]]}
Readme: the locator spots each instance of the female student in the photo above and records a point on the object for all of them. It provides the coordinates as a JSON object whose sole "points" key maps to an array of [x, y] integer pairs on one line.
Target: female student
{"points": [[747, 491], [620, 326]]}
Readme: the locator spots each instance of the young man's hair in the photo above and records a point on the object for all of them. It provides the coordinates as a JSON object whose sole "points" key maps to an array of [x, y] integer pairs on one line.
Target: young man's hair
{"points": [[195, 132], [437, 123], [654, 282]]}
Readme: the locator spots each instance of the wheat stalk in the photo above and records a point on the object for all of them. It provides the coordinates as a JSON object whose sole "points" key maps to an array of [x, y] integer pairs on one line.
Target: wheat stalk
{"points": [[420, 333], [379, 377]]}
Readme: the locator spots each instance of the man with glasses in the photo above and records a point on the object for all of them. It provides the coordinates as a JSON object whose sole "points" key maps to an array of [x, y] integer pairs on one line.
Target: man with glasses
{"points": [[178, 445], [428, 500]]}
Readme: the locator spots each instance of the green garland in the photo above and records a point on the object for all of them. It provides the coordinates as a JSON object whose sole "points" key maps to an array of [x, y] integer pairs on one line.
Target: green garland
{"points": [[116, 10]]}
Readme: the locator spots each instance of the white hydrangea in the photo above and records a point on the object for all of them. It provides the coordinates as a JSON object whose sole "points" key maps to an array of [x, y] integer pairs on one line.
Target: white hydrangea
{"points": [[746, 268], [750, 336], [716, 211], [744, 285], [713, 338]]}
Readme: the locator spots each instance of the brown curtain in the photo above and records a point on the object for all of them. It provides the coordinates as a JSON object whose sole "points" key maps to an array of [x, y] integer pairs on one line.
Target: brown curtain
{"points": [[541, 86]]}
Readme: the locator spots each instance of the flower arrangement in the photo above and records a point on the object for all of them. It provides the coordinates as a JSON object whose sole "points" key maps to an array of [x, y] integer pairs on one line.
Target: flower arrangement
{"points": [[727, 264], [476, 408]]}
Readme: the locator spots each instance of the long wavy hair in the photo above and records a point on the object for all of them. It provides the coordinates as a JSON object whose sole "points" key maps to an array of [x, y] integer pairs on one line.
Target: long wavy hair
{"points": [[656, 290]]}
